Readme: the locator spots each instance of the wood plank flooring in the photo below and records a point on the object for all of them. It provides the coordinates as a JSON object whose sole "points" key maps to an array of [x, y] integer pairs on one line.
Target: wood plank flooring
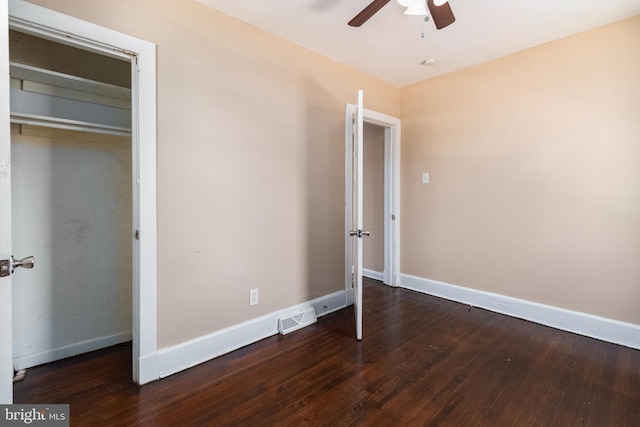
{"points": [[423, 361]]}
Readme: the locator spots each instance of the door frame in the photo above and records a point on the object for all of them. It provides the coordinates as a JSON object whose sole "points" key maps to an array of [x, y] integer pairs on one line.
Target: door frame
{"points": [[391, 127], [45, 23]]}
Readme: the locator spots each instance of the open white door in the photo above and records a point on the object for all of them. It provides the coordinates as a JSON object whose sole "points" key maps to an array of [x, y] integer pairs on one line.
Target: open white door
{"points": [[355, 117], [6, 339], [356, 228]]}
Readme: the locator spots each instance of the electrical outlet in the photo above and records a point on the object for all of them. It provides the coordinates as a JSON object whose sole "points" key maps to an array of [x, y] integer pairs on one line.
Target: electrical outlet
{"points": [[253, 297]]}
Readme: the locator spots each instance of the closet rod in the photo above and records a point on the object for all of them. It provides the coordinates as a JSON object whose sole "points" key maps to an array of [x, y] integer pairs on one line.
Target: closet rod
{"points": [[32, 120]]}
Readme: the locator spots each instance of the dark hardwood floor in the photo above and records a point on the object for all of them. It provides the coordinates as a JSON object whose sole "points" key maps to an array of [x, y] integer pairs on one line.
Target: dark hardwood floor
{"points": [[423, 361]]}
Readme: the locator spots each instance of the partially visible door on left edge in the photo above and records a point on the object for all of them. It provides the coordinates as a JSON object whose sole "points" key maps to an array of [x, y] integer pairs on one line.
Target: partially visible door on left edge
{"points": [[6, 328]]}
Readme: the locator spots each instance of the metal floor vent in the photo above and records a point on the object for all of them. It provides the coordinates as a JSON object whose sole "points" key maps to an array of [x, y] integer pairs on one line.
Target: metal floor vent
{"points": [[297, 320]]}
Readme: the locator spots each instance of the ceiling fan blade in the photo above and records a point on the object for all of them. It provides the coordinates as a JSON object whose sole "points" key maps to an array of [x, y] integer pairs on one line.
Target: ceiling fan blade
{"points": [[442, 15], [368, 12]]}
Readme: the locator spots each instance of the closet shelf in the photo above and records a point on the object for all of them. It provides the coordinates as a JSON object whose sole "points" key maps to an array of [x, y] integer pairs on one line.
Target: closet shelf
{"points": [[41, 97]]}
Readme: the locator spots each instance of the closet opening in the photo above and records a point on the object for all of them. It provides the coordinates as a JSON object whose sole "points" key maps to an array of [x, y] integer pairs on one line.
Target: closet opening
{"points": [[72, 199]]}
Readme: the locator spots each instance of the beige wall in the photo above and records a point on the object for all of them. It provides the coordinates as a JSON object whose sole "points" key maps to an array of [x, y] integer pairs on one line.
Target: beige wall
{"points": [[535, 174], [373, 197], [250, 162]]}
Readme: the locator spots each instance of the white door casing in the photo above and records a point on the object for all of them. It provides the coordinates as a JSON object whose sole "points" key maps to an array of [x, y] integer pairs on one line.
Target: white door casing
{"points": [[47, 24]]}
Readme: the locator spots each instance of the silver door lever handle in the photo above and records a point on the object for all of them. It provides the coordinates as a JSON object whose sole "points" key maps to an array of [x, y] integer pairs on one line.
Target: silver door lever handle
{"points": [[26, 262]]}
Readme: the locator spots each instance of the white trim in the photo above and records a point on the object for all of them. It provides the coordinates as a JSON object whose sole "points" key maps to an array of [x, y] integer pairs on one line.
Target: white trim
{"points": [[391, 127], [392, 202], [51, 25], [614, 331], [35, 359], [349, 297], [148, 369], [185, 355], [144, 126], [376, 275], [350, 112]]}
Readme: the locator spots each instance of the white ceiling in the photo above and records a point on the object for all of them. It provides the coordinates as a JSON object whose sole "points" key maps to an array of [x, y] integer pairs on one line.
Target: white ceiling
{"points": [[389, 45]]}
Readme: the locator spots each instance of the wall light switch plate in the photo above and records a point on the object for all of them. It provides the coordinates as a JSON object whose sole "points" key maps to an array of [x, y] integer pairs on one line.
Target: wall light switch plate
{"points": [[425, 177]]}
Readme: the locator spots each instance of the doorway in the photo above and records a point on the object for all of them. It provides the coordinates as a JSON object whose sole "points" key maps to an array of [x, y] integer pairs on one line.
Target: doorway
{"points": [[71, 199], [389, 127]]}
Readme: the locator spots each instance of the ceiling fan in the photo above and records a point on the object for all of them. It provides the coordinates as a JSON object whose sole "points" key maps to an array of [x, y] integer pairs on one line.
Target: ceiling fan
{"points": [[441, 13]]}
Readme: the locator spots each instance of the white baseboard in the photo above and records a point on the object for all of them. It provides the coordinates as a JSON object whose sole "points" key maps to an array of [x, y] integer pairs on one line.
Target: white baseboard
{"points": [[614, 331], [30, 360], [376, 275], [176, 358]]}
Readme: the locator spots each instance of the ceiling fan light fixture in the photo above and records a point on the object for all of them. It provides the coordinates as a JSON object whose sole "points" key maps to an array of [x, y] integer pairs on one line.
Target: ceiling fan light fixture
{"points": [[417, 8], [441, 13]]}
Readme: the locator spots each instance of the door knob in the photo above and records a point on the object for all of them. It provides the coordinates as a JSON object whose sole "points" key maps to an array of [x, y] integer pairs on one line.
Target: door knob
{"points": [[26, 262]]}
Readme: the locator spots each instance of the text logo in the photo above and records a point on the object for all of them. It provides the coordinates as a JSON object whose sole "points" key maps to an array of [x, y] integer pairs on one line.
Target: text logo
{"points": [[34, 415]]}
